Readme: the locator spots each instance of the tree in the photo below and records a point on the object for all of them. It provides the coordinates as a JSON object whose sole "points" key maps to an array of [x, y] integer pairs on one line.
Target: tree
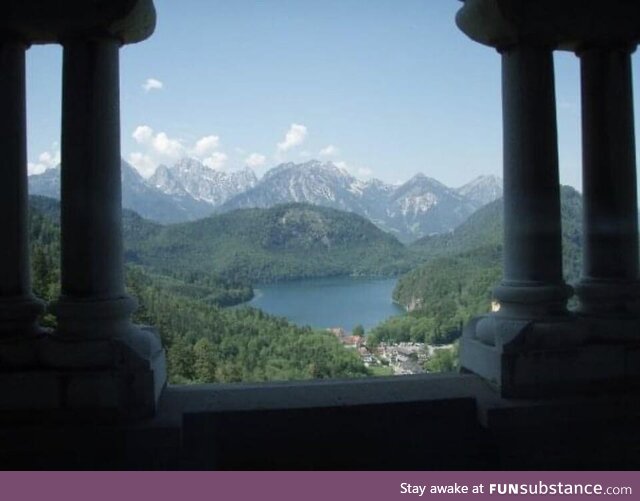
{"points": [[358, 330], [205, 363], [181, 360], [443, 360]]}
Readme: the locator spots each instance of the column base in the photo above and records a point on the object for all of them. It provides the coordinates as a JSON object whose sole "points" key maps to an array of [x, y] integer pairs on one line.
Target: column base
{"points": [[532, 299], [20, 332], [103, 379], [545, 358], [93, 318], [609, 299], [96, 366]]}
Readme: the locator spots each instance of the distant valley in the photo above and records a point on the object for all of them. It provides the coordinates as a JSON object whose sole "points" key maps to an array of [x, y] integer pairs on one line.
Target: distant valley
{"points": [[188, 191]]}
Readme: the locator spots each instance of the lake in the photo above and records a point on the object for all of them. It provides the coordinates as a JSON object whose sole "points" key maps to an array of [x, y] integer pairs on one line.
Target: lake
{"points": [[329, 302]]}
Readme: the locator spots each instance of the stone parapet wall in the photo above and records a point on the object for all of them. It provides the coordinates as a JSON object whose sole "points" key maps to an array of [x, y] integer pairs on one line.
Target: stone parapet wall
{"points": [[427, 422]]}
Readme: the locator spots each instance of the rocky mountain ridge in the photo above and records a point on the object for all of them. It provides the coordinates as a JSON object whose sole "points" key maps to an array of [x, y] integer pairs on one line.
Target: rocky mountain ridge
{"points": [[189, 191]]}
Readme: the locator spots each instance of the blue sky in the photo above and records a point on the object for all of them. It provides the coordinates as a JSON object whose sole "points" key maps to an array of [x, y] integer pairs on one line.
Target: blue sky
{"points": [[386, 88]]}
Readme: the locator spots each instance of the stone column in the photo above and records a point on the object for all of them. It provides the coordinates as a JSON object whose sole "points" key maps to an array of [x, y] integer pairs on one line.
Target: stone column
{"points": [[116, 366], [609, 284], [514, 347], [93, 302], [19, 310], [534, 347], [532, 285]]}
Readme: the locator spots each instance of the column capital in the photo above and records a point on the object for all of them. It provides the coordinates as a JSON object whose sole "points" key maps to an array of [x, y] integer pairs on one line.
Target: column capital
{"points": [[50, 21], [626, 48], [558, 24]]}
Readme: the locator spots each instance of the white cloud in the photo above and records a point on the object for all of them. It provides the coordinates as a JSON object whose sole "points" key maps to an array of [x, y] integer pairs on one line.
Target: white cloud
{"points": [[216, 160], [159, 147], [49, 159], [144, 164], [34, 169], [364, 172], [152, 84], [329, 151], [255, 160], [358, 171], [294, 137], [143, 134], [206, 145], [165, 146], [46, 160]]}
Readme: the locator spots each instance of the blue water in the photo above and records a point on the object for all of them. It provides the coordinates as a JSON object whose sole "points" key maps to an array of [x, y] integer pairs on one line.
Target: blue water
{"points": [[329, 302]]}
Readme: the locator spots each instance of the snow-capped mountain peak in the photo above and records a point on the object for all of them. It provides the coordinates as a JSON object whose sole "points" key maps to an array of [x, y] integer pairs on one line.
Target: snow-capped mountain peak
{"points": [[189, 190], [416, 208], [191, 177], [483, 189]]}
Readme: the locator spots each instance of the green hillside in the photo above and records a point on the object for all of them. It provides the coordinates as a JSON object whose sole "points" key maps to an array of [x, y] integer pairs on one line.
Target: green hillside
{"points": [[461, 268], [482, 229], [266, 245], [205, 343], [211, 289]]}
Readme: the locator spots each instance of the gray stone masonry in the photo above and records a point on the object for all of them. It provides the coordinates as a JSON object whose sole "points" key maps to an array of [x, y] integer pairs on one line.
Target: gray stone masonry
{"points": [[534, 347], [96, 361]]}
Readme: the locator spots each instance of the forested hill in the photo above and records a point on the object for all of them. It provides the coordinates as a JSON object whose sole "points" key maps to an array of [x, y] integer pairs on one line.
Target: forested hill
{"points": [[265, 245], [461, 268], [205, 343], [250, 246], [213, 290], [484, 230]]}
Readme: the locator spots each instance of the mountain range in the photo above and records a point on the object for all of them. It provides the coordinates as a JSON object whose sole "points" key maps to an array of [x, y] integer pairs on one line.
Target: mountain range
{"points": [[188, 191], [163, 198]]}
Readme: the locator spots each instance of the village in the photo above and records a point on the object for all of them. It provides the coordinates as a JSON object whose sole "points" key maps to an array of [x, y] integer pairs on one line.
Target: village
{"points": [[397, 359]]}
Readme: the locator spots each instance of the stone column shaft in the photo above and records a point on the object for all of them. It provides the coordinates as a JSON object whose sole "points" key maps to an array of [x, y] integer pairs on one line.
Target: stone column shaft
{"points": [[18, 308], [126, 364], [92, 255], [610, 257], [532, 226]]}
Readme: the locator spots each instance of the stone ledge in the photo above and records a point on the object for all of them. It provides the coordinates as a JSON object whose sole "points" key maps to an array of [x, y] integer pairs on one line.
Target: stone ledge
{"points": [[414, 422], [179, 400], [458, 419]]}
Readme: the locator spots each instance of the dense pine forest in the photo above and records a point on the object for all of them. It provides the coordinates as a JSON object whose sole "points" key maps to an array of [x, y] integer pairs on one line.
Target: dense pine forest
{"points": [[204, 342], [286, 242]]}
